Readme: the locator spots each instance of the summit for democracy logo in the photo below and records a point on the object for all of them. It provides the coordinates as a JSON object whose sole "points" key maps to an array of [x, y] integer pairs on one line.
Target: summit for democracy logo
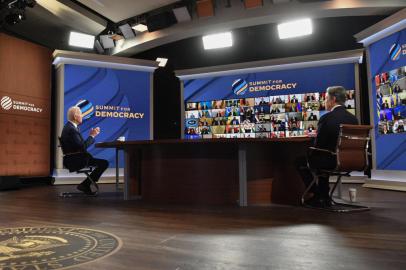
{"points": [[6, 103], [396, 51], [106, 111], [240, 86], [11, 104]]}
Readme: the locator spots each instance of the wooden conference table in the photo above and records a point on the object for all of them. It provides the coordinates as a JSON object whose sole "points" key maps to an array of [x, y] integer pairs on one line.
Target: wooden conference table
{"points": [[210, 171]]}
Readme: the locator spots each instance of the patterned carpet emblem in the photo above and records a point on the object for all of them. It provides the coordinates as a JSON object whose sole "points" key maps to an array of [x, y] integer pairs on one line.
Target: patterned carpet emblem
{"points": [[53, 247]]}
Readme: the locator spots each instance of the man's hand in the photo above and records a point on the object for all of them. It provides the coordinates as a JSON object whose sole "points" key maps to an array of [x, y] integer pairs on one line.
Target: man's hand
{"points": [[94, 132]]}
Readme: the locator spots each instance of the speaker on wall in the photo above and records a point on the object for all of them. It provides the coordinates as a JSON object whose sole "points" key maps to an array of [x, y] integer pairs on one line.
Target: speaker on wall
{"points": [[160, 21], [167, 104]]}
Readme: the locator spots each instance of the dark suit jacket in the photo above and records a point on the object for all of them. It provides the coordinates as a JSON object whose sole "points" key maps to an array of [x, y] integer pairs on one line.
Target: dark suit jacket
{"points": [[328, 127], [72, 142]]}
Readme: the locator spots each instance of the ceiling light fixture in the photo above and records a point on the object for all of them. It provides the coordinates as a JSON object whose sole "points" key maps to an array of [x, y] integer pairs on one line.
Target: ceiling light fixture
{"points": [[295, 28], [140, 27], [221, 40], [162, 61], [81, 40]]}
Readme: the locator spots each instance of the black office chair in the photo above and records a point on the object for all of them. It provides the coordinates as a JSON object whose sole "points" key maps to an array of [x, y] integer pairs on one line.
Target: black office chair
{"points": [[352, 155], [78, 162]]}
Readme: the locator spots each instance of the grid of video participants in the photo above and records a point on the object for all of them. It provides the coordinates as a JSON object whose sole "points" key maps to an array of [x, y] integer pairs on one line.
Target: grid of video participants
{"points": [[263, 117], [391, 101]]}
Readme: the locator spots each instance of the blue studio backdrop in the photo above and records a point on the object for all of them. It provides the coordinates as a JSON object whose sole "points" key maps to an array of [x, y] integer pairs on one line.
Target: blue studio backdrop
{"points": [[117, 101], [386, 55], [270, 83]]}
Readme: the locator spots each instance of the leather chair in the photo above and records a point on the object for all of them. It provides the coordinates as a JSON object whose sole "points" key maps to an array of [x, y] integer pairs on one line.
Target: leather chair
{"points": [[351, 155], [77, 162]]}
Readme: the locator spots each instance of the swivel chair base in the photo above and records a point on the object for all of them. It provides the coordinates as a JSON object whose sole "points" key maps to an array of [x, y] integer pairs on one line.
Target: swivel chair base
{"points": [[345, 207], [76, 194], [335, 206], [95, 193], [339, 207]]}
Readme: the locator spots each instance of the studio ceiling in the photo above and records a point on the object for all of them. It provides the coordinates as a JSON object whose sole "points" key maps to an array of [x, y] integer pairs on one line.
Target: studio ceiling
{"points": [[50, 21], [118, 10]]}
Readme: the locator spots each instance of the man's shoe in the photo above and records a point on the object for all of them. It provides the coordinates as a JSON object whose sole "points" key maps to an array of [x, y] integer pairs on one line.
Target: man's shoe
{"points": [[85, 189], [326, 203], [314, 202], [308, 196]]}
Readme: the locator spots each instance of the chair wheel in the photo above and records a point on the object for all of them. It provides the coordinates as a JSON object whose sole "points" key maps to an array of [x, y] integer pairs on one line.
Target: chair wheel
{"points": [[77, 195], [65, 195]]}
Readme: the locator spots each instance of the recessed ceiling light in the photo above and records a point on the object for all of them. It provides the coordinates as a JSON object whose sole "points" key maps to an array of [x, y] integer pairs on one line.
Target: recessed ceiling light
{"points": [[295, 28], [81, 40], [140, 27], [162, 61], [216, 41]]}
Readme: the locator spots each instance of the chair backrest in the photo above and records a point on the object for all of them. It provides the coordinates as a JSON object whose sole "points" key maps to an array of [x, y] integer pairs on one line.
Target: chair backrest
{"points": [[73, 161], [352, 147], [61, 145]]}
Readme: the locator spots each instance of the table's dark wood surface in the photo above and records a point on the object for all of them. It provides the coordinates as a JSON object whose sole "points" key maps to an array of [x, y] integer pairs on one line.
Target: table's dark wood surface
{"points": [[121, 144], [208, 171]]}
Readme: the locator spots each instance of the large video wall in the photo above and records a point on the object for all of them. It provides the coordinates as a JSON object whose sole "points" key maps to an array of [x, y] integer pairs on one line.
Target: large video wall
{"points": [[261, 117], [388, 70], [391, 101], [274, 104]]}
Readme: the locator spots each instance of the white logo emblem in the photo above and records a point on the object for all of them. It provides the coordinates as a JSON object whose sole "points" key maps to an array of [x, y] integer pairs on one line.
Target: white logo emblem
{"points": [[6, 103]]}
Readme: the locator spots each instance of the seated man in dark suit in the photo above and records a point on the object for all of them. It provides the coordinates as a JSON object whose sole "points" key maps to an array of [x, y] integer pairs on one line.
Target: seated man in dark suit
{"points": [[73, 143], [327, 134]]}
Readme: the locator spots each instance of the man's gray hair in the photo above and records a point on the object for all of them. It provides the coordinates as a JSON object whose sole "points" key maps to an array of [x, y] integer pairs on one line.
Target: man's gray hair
{"points": [[339, 93], [72, 111]]}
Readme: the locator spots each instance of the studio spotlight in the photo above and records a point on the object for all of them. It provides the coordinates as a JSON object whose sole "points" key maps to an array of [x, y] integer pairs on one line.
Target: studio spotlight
{"points": [[127, 31], [16, 10], [15, 17], [106, 41]]}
